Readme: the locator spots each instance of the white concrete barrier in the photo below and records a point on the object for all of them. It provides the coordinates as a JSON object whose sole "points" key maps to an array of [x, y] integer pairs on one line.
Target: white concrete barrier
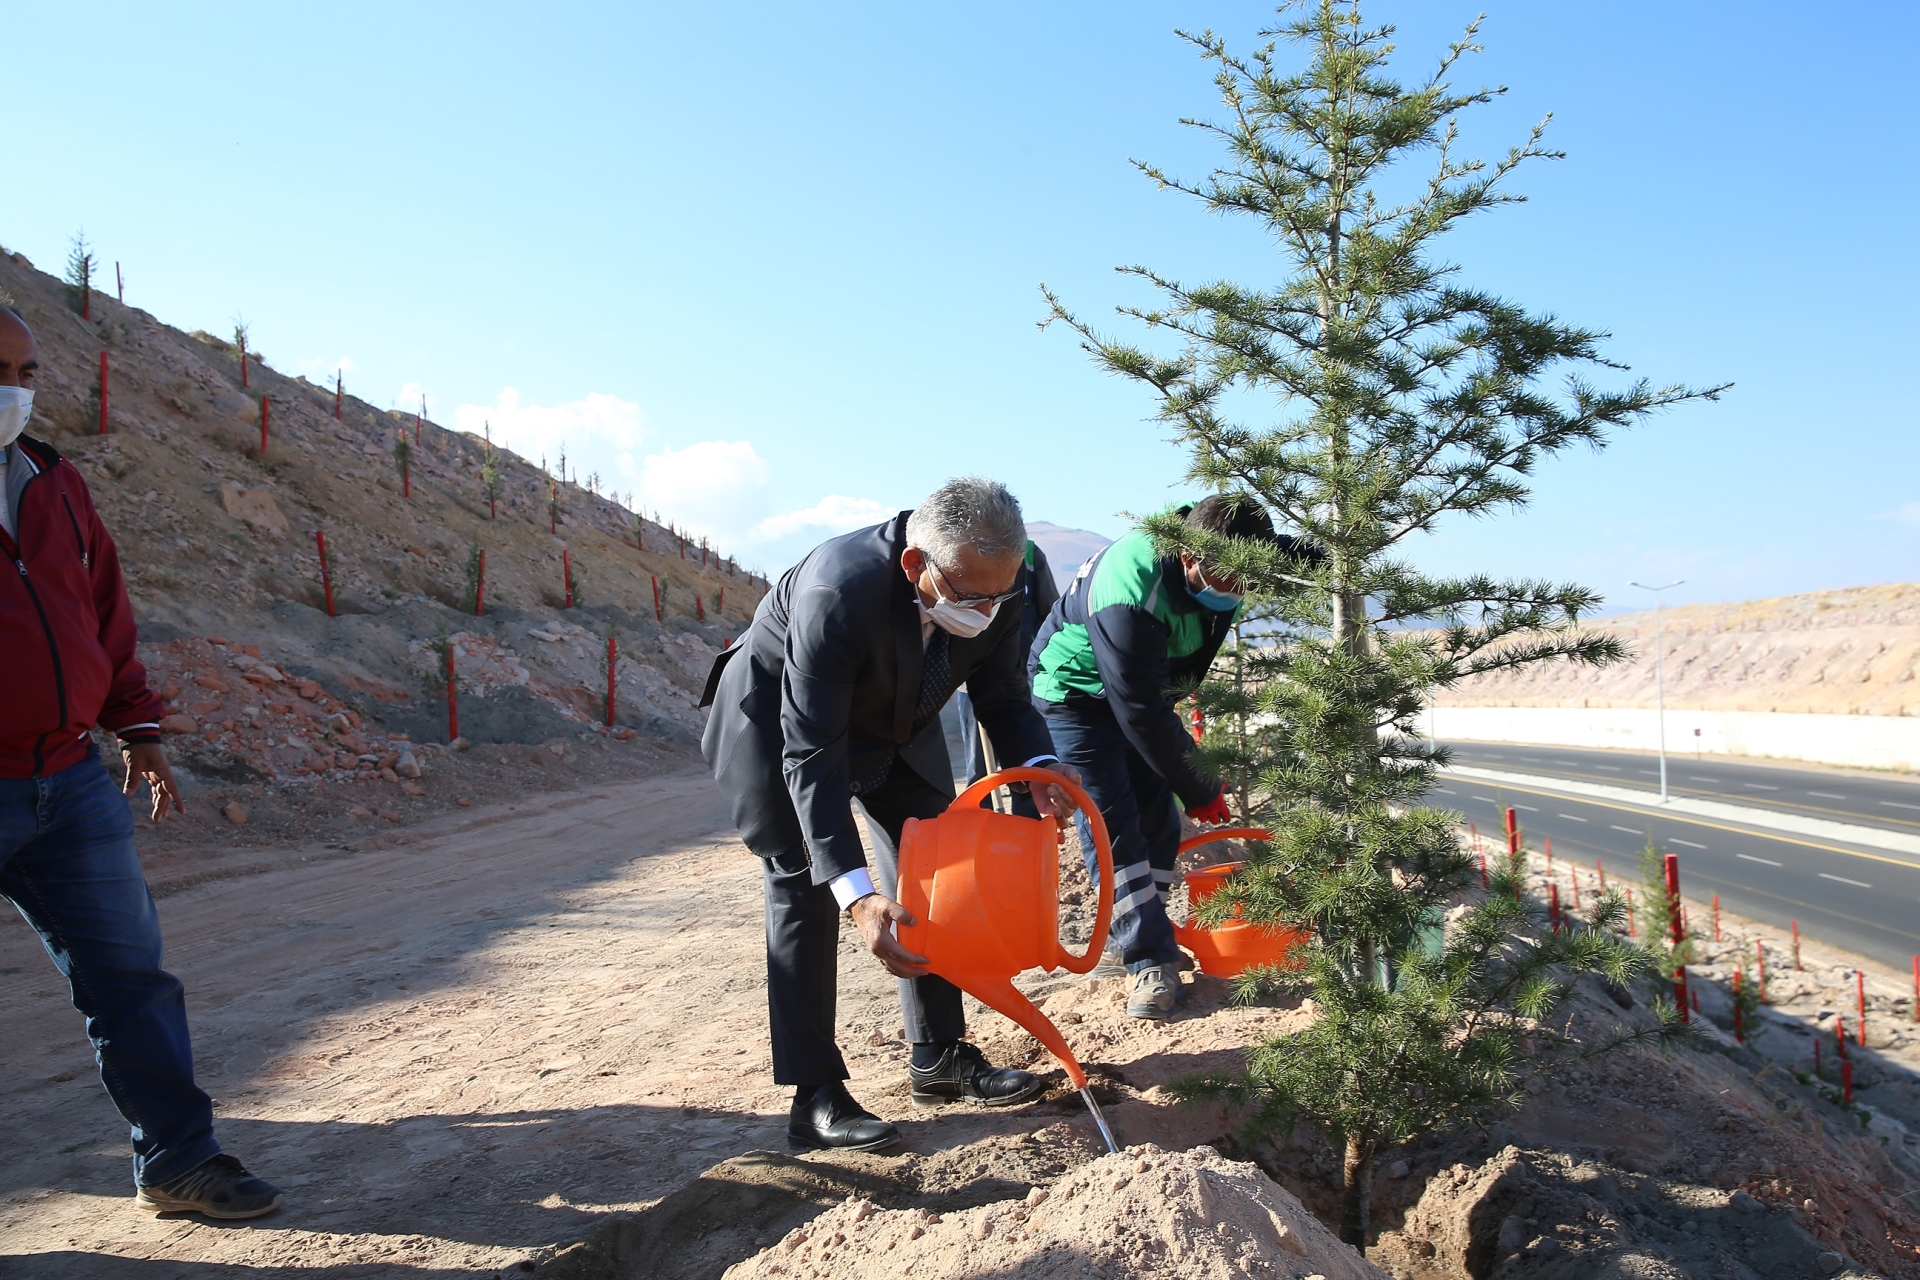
{"points": [[1867, 742]]}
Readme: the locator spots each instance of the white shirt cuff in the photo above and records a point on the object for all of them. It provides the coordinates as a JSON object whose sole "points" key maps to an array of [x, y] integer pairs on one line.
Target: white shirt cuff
{"points": [[1040, 760], [851, 887]]}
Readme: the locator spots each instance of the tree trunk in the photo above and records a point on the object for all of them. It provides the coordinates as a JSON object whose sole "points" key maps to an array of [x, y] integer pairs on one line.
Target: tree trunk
{"points": [[1356, 1194]]}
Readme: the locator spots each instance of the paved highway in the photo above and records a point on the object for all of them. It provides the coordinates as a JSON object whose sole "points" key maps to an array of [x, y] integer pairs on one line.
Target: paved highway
{"points": [[1866, 900], [1890, 803]]}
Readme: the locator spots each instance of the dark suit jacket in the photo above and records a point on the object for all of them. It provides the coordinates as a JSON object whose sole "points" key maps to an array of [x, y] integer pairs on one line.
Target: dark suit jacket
{"points": [[821, 689]]}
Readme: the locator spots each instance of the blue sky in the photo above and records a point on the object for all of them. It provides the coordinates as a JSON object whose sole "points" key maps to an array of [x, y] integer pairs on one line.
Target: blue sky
{"points": [[777, 269]]}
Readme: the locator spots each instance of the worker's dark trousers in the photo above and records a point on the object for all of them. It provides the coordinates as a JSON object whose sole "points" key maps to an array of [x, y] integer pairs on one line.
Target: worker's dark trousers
{"points": [[67, 862], [1143, 822], [803, 940]]}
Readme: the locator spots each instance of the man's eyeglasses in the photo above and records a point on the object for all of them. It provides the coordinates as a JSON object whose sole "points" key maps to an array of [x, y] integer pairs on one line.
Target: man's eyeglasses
{"points": [[1001, 598]]}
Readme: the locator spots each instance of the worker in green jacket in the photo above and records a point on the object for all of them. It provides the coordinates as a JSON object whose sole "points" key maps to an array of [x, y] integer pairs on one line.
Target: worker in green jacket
{"points": [[1133, 628]]}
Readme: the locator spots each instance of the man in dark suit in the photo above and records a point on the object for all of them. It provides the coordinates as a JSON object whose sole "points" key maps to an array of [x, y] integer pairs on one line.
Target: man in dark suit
{"points": [[832, 699]]}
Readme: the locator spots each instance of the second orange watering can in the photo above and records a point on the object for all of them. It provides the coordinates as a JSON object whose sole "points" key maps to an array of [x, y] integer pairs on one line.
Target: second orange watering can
{"points": [[985, 889], [1231, 948]]}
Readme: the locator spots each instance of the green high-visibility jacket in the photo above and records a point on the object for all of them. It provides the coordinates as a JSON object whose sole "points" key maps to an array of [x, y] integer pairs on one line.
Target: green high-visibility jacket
{"points": [[1129, 632]]}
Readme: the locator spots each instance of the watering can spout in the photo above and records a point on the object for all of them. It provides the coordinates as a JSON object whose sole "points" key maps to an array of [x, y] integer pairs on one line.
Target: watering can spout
{"points": [[984, 888]]}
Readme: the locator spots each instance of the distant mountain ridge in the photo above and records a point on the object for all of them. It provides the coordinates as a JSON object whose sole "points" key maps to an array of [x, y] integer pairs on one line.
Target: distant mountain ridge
{"points": [[1066, 548]]}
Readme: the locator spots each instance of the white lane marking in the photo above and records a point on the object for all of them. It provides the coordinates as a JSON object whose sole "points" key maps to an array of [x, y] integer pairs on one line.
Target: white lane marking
{"points": [[1529, 808], [1646, 773], [1488, 799], [1694, 777], [1610, 768], [1895, 804], [1690, 844], [1758, 786], [1571, 764], [1858, 884], [1826, 795], [1750, 858], [1569, 817], [1531, 759], [1447, 791], [1632, 831]]}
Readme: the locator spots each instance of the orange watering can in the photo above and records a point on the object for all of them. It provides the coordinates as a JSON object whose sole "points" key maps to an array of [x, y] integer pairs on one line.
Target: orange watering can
{"points": [[1232, 948], [985, 888]]}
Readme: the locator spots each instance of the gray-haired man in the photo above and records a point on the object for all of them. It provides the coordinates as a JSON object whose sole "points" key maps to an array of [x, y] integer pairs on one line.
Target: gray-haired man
{"points": [[832, 699]]}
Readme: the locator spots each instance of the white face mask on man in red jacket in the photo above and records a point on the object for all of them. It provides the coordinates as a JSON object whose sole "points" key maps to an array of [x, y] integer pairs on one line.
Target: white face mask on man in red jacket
{"points": [[16, 408]]}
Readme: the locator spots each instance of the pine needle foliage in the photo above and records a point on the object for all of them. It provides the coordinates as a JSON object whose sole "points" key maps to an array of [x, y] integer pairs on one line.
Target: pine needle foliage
{"points": [[80, 268], [1399, 396], [492, 481]]}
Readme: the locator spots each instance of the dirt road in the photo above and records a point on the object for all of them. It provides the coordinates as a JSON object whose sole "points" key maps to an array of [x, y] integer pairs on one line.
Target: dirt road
{"points": [[460, 1051]]}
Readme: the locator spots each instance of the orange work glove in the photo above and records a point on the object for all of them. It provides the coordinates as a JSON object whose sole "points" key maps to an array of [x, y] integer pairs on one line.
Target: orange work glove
{"points": [[1213, 812]]}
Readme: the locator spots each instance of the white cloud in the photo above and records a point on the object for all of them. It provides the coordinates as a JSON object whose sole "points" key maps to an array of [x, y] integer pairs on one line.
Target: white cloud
{"points": [[835, 513], [1906, 513], [599, 433], [716, 488]]}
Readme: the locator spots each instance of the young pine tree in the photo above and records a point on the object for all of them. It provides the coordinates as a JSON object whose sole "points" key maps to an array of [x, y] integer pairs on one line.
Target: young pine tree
{"points": [[492, 482], [1398, 396], [80, 267]]}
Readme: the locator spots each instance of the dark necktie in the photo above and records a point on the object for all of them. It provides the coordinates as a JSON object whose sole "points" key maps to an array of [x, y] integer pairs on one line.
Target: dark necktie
{"points": [[936, 686]]}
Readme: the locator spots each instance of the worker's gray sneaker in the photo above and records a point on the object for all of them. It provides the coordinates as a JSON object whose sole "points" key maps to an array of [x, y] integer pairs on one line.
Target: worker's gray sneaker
{"points": [[220, 1188], [1155, 992]]}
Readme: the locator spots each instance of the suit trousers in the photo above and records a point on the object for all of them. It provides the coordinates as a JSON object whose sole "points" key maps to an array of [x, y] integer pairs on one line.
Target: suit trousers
{"points": [[803, 940]]}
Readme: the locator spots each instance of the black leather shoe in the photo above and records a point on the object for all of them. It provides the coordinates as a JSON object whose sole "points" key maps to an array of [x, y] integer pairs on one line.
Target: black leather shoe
{"points": [[963, 1073], [832, 1120]]}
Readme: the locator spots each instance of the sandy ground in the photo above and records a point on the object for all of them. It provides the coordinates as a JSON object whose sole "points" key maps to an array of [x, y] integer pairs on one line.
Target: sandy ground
{"points": [[478, 1042]]}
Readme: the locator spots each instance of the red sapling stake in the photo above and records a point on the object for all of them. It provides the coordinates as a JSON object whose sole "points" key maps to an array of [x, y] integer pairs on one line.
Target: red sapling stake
{"points": [[1483, 868], [613, 658], [326, 569], [1840, 1034], [453, 704], [1680, 993], [566, 570], [658, 616], [1513, 832], [480, 588], [1553, 905], [264, 411], [1199, 722], [1671, 865], [1548, 842], [699, 607]]}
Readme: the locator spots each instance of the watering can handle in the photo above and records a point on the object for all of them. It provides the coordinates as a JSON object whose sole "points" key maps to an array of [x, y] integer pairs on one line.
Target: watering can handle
{"points": [[1226, 833], [1103, 849]]}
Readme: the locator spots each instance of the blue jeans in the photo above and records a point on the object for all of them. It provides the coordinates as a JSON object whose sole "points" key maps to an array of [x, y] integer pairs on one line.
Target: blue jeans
{"points": [[1143, 822], [67, 862]]}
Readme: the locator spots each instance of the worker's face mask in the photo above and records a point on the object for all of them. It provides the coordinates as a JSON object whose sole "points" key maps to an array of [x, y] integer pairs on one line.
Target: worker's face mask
{"points": [[1218, 601], [16, 406]]}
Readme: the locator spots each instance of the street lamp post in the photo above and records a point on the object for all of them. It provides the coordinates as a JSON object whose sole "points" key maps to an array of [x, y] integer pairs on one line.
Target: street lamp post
{"points": [[1659, 676]]}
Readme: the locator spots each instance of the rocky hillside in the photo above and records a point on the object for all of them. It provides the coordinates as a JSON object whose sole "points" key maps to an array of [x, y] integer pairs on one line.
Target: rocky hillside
{"points": [[268, 691], [1847, 652]]}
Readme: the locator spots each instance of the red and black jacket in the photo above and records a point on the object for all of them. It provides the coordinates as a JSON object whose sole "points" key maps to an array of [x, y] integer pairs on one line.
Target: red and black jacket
{"points": [[67, 632]]}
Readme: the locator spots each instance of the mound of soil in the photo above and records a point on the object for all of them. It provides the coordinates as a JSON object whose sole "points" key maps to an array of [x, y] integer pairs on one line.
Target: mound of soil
{"points": [[1141, 1213]]}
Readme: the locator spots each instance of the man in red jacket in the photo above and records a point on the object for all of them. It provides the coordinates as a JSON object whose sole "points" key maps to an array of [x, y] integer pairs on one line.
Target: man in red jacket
{"points": [[66, 833]]}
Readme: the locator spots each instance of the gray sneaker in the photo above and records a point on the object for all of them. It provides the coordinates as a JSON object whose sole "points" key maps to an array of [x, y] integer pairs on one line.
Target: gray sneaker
{"points": [[1155, 992], [219, 1188]]}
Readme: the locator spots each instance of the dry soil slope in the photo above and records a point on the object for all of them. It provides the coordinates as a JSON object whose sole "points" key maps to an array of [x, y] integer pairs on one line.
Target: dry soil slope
{"points": [[1846, 652], [181, 467]]}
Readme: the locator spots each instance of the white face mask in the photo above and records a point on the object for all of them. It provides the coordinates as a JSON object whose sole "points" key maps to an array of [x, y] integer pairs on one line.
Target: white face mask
{"points": [[16, 406], [958, 619]]}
